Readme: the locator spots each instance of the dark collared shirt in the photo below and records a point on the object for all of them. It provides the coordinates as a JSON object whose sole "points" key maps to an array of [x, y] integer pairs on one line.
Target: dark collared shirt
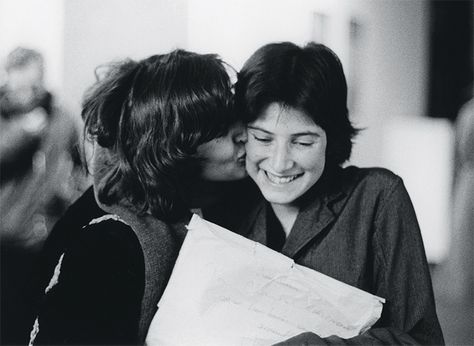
{"points": [[359, 226]]}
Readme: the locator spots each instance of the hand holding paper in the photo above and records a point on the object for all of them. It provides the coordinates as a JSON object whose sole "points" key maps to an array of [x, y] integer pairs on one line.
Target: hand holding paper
{"points": [[228, 290]]}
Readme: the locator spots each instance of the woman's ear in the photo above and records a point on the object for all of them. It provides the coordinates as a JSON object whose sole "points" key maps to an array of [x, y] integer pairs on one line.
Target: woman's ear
{"points": [[102, 163]]}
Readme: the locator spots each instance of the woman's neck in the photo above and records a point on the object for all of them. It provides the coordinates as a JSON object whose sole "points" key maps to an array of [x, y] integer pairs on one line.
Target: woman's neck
{"points": [[286, 214]]}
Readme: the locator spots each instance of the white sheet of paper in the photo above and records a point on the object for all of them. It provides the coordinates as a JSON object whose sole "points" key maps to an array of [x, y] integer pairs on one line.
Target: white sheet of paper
{"points": [[228, 290]]}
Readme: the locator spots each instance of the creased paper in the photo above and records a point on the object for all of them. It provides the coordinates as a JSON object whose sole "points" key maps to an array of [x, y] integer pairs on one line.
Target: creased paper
{"points": [[228, 290]]}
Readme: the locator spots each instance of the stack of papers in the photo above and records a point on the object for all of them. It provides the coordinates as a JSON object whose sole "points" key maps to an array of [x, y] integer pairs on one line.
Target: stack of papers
{"points": [[228, 290]]}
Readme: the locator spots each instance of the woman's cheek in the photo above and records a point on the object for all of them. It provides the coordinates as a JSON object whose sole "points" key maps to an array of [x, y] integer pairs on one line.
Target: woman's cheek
{"points": [[251, 162], [255, 151], [253, 157]]}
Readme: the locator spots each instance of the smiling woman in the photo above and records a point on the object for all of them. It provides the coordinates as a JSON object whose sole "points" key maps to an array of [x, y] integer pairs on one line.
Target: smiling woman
{"points": [[287, 153], [355, 225]]}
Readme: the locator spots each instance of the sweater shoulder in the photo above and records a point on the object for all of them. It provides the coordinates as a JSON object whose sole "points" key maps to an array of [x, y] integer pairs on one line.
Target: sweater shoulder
{"points": [[111, 235]]}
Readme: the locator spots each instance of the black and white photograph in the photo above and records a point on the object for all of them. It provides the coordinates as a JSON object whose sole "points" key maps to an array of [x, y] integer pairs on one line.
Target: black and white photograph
{"points": [[236, 172]]}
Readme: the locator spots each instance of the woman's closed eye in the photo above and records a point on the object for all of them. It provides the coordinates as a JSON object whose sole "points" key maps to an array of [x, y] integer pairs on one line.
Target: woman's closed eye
{"points": [[304, 140], [304, 143], [260, 138]]}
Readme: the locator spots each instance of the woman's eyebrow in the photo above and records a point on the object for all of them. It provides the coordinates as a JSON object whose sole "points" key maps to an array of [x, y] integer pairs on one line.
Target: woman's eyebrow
{"points": [[250, 127], [306, 133], [298, 134]]}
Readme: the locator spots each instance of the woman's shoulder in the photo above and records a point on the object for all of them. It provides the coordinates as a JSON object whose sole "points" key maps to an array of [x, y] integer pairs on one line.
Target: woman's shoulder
{"points": [[108, 233], [71, 224], [65, 232], [101, 271], [81, 211], [374, 182], [375, 176], [105, 250]]}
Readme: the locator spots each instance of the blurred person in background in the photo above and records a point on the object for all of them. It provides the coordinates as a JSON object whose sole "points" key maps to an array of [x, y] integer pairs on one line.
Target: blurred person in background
{"points": [[459, 268], [40, 175]]}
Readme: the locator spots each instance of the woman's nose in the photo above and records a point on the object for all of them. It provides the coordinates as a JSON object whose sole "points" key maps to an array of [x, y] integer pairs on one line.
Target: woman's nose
{"points": [[241, 136], [281, 160]]}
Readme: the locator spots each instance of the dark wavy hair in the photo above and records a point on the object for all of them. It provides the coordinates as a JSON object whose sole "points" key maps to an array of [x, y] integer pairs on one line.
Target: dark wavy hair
{"points": [[151, 115], [310, 79]]}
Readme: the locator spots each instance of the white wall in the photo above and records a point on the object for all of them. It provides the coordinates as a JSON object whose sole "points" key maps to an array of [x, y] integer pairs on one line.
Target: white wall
{"points": [[392, 69], [38, 25], [97, 32], [235, 28], [75, 36], [420, 150], [388, 66]]}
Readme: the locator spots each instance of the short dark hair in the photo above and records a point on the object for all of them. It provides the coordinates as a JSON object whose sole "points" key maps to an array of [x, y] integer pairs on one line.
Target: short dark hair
{"points": [[310, 79], [151, 115]]}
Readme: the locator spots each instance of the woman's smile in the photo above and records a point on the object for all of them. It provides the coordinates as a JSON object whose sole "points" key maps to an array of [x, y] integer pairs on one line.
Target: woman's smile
{"points": [[286, 153], [280, 179]]}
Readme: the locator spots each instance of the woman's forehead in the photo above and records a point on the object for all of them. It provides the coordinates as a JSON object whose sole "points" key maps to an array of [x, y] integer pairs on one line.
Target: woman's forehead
{"points": [[278, 117]]}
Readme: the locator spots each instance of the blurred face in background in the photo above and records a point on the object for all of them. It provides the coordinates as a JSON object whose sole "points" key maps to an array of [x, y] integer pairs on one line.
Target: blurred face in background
{"points": [[24, 85], [223, 158], [286, 153]]}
